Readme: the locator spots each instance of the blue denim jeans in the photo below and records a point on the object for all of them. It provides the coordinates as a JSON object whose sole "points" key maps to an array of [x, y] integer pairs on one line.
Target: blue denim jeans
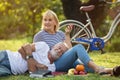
{"points": [[70, 59], [4, 64]]}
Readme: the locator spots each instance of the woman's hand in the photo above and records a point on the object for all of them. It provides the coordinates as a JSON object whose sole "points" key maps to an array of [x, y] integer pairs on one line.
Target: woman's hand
{"points": [[68, 29], [67, 36]]}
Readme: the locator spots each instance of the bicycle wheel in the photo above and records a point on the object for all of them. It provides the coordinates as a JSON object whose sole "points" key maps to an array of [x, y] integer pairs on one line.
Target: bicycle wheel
{"points": [[78, 31]]}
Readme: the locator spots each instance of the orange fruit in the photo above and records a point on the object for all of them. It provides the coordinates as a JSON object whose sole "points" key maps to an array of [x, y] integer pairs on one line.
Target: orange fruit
{"points": [[80, 67]]}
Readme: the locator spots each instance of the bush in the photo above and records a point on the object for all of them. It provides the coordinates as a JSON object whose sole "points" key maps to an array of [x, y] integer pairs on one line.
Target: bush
{"points": [[113, 45]]}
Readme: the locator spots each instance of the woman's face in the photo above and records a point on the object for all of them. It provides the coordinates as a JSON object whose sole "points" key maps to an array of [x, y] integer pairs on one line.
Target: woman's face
{"points": [[49, 23]]}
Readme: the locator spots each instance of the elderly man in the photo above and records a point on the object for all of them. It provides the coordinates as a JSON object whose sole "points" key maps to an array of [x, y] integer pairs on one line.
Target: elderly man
{"points": [[40, 53]]}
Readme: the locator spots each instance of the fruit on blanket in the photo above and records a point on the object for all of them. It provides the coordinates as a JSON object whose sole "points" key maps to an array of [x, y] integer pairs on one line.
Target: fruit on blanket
{"points": [[80, 67], [71, 71], [82, 72], [76, 72]]}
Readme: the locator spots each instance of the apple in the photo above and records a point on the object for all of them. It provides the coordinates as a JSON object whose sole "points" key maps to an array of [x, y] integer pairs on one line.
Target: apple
{"points": [[71, 71], [76, 72], [82, 73]]}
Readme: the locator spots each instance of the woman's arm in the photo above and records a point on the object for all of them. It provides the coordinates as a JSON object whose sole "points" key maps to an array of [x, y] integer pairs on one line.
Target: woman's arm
{"points": [[67, 36]]}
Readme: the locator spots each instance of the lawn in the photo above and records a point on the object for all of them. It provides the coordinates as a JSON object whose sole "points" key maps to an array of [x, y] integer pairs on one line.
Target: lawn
{"points": [[110, 59]]}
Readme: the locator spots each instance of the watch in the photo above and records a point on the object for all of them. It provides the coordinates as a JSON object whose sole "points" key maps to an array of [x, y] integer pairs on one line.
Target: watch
{"points": [[29, 56]]}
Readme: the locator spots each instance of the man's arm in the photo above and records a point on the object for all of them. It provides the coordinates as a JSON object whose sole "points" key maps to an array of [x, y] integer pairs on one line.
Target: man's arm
{"points": [[33, 65], [26, 50]]}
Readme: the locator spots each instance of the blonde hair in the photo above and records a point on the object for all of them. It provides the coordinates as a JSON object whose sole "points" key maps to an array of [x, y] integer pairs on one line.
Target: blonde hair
{"points": [[51, 14]]}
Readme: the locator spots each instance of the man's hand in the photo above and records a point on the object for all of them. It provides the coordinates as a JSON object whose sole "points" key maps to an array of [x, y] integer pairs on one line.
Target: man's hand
{"points": [[32, 64], [41, 66], [22, 52], [25, 50], [28, 49]]}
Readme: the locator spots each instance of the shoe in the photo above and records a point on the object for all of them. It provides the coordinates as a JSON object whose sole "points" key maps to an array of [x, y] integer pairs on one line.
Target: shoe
{"points": [[103, 73], [116, 71]]}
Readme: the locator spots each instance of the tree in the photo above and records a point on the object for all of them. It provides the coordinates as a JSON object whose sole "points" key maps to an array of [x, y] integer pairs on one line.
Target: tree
{"points": [[21, 18]]}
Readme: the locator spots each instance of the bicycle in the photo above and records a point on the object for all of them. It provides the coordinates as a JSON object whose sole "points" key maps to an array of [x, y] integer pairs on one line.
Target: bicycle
{"points": [[81, 34]]}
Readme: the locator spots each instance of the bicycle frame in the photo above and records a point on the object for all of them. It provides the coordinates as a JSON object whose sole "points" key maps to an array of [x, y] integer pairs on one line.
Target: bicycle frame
{"points": [[114, 24]]}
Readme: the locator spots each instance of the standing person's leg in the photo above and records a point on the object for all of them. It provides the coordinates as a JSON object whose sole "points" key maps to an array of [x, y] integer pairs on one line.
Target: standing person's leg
{"points": [[4, 64]]}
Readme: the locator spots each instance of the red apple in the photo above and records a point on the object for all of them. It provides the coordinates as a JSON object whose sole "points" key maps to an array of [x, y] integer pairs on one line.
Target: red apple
{"points": [[82, 73], [76, 72]]}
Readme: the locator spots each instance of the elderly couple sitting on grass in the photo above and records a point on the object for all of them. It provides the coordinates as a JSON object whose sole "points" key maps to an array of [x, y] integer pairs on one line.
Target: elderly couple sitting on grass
{"points": [[55, 53], [35, 56]]}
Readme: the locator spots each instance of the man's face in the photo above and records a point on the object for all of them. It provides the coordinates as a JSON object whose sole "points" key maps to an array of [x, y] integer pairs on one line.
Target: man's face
{"points": [[58, 50], [54, 54], [60, 47]]}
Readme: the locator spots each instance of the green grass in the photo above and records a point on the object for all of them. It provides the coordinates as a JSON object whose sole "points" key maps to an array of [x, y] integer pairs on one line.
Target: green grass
{"points": [[109, 59], [14, 44]]}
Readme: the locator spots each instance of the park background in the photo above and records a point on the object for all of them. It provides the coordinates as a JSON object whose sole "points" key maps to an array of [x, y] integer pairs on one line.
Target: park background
{"points": [[21, 19]]}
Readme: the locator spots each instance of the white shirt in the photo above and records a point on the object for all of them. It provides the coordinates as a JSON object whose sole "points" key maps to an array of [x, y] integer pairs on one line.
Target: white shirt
{"points": [[19, 65]]}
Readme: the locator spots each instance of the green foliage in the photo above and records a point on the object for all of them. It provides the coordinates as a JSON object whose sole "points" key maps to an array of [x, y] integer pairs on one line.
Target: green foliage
{"points": [[84, 1], [23, 17], [113, 45]]}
